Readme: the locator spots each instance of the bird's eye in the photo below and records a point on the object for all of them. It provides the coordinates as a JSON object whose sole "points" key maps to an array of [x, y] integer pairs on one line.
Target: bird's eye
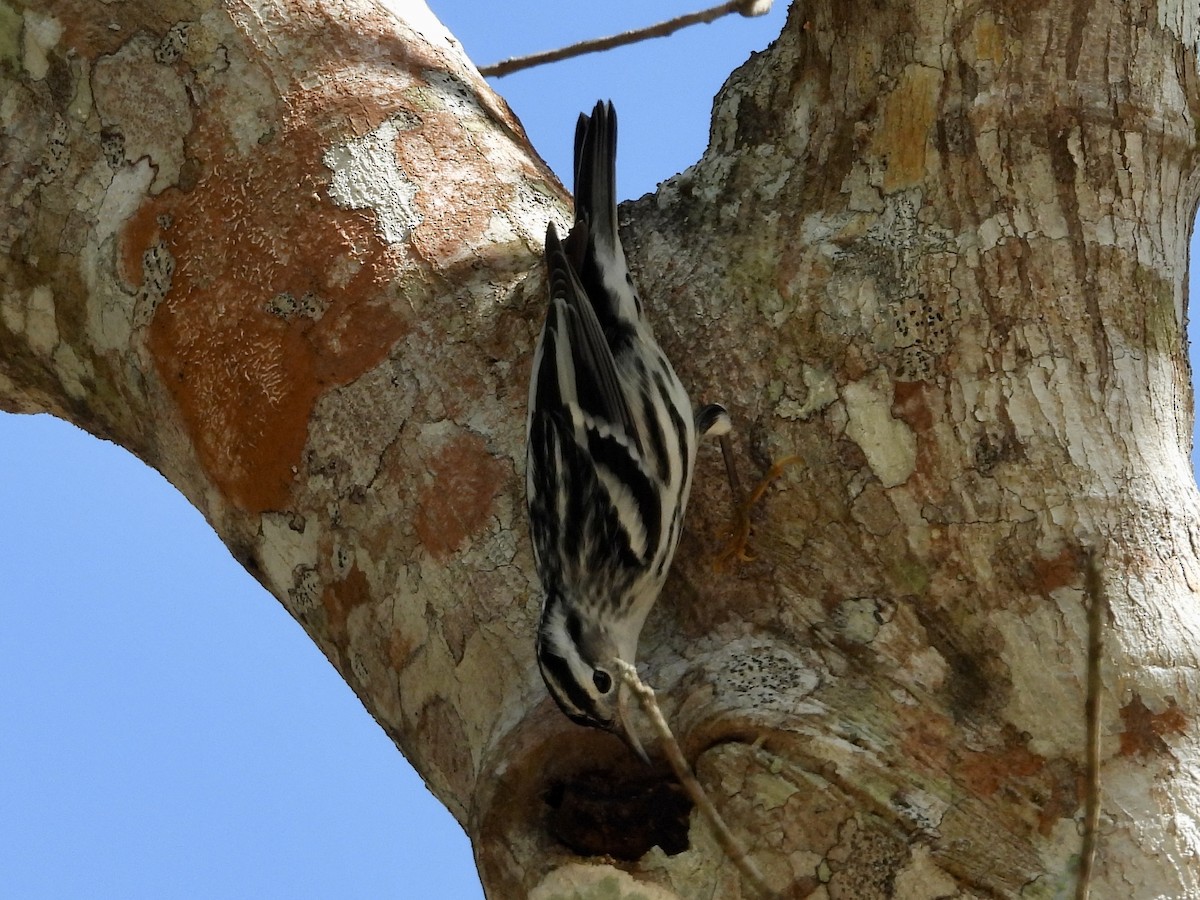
{"points": [[602, 680]]}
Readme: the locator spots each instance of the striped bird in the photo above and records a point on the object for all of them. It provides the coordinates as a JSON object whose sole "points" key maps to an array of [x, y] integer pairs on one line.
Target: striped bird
{"points": [[611, 448]]}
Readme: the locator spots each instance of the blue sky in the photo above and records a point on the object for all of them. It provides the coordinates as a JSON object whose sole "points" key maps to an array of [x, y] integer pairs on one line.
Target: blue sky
{"points": [[166, 729]]}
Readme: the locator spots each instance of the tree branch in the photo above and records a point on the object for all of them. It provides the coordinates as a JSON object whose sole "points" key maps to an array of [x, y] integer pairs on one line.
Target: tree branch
{"points": [[662, 29]]}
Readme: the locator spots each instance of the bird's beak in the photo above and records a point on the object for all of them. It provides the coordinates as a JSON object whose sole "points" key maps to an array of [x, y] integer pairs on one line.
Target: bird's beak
{"points": [[626, 723]]}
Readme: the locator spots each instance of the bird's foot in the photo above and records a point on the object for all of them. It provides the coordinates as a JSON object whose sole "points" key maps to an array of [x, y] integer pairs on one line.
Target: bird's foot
{"points": [[736, 537]]}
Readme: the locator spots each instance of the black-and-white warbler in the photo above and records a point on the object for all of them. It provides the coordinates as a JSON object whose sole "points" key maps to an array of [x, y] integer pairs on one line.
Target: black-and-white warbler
{"points": [[612, 445]]}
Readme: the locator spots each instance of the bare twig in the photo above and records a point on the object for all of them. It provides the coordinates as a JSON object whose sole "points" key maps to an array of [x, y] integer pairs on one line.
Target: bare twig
{"points": [[662, 29], [1091, 819], [729, 843]]}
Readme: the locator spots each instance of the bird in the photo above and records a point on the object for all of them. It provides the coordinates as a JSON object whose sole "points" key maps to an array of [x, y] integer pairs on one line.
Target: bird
{"points": [[611, 447]]}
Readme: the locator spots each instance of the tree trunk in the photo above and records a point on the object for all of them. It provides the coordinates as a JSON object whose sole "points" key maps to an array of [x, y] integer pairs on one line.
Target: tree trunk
{"points": [[288, 254]]}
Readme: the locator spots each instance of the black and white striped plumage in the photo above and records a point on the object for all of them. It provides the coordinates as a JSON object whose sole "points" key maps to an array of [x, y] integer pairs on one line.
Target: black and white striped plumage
{"points": [[612, 444]]}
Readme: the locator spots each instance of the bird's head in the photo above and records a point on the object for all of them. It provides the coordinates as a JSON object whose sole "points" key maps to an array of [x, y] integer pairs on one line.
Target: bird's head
{"points": [[578, 657]]}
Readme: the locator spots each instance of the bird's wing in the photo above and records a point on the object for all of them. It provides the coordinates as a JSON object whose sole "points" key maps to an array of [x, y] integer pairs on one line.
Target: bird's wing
{"points": [[581, 370], [580, 409]]}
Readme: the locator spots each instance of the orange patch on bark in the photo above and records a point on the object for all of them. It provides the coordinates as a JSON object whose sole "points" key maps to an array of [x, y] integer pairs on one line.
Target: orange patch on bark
{"points": [[988, 772], [909, 404], [1144, 730], [459, 499], [245, 372], [1059, 571], [251, 236], [341, 597]]}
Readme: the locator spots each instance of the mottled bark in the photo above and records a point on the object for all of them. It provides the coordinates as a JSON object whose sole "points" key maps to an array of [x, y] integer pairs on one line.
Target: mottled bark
{"points": [[281, 252]]}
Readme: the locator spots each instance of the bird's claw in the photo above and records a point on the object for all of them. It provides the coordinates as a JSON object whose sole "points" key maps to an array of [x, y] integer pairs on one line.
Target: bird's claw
{"points": [[737, 537]]}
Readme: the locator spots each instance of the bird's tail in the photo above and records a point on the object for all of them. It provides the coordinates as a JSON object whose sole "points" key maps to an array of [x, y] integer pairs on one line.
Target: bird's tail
{"points": [[596, 176]]}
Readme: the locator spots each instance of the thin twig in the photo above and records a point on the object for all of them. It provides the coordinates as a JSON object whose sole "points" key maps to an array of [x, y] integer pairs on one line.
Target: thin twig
{"points": [[662, 29], [1091, 819], [729, 843]]}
